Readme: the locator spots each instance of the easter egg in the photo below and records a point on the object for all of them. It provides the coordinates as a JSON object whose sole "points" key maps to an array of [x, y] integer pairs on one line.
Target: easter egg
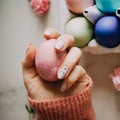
{"points": [[77, 6], [47, 60], [81, 29], [108, 6], [107, 31]]}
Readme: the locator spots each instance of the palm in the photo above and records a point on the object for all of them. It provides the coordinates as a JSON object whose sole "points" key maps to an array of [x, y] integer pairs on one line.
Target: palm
{"points": [[43, 90]]}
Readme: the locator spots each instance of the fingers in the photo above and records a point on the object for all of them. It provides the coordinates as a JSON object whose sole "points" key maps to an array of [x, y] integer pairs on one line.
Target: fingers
{"points": [[77, 74], [69, 62], [28, 61], [63, 42], [50, 33], [28, 65]]}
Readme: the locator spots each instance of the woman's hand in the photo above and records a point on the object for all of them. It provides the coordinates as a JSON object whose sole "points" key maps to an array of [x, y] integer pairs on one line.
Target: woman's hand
{"points": [[74, 77]]}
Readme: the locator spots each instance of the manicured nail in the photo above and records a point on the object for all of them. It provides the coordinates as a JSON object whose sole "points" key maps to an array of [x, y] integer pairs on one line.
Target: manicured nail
{"points": [[63, 87], [59, 44], [62, 72], [47, 32], [28, 47]]}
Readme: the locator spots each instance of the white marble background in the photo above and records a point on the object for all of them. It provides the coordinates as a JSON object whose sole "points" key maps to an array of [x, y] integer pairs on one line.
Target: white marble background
{"points": [[18, 27]]}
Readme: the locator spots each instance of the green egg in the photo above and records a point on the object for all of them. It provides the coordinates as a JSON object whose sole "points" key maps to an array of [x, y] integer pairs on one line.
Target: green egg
{"points": [[81, 29]]}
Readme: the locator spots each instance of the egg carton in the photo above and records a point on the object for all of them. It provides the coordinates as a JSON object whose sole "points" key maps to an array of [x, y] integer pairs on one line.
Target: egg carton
{"points": [[94, 48], [93, 14]]}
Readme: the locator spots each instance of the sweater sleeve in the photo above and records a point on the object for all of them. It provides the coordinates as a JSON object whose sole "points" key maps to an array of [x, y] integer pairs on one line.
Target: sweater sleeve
{"points": [[74, 107]]}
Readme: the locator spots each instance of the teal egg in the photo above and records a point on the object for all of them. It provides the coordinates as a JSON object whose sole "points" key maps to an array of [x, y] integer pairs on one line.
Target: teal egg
{"points": [[108, 6]]}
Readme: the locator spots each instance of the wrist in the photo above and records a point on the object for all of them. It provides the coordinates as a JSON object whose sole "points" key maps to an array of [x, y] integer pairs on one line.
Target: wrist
{"points": [[74, 107]]}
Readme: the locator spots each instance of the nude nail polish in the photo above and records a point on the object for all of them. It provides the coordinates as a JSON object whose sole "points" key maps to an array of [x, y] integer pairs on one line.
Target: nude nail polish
{"points": [[48, 32], [62, 72], [59, 44], [63, 87], [28, 47]]}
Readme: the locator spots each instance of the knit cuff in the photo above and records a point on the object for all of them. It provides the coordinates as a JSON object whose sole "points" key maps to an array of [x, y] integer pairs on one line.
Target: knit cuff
{"points": [[74, 107]]}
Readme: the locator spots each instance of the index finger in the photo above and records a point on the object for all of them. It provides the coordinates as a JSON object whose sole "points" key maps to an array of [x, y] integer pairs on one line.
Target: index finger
{"points": [[64, 42], [28, 65]]}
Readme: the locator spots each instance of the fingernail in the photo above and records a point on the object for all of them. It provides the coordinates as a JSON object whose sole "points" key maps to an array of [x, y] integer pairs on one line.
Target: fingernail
{"points": [[63, 87], [47, 32], [62, 72], [59, 44], [28, 47]]}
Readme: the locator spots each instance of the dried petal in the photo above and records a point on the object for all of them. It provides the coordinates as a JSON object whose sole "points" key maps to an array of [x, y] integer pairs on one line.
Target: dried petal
{"points": [[40, 7]]}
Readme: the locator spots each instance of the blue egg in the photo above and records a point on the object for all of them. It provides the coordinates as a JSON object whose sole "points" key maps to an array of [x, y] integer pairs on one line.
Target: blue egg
{"points": [[107, 31]]}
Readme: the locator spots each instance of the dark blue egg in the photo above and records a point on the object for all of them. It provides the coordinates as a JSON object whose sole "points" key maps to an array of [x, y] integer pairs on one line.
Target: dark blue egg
{"points": [[107, 31]]}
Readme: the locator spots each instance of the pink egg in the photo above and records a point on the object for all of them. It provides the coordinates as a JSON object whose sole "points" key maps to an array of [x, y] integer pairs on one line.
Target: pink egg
{"points": [[47, 60], [77, 6]]}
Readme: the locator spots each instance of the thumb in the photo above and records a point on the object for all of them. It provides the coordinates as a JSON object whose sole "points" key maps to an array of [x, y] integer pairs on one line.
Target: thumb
{"points": [[28, 65], [28, 61]]}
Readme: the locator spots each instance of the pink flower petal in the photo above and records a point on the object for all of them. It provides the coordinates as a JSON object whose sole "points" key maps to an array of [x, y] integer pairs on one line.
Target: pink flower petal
{"points": [[40, 7], [115, 76]]}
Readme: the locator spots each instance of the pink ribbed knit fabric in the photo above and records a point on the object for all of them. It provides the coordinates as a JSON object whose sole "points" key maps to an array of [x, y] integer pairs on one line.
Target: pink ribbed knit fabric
{"points": [[75, 107]]}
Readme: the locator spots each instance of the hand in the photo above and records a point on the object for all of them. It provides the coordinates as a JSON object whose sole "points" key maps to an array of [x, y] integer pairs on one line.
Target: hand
{"points": [[74, 77]]}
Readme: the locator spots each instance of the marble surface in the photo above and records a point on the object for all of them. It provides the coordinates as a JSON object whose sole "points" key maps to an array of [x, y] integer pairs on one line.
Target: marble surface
{"points": [[19, 26]]}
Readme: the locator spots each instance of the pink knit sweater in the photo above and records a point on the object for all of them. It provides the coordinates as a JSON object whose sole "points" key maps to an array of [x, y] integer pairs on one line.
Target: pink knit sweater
{"points": [[74, 107]]}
